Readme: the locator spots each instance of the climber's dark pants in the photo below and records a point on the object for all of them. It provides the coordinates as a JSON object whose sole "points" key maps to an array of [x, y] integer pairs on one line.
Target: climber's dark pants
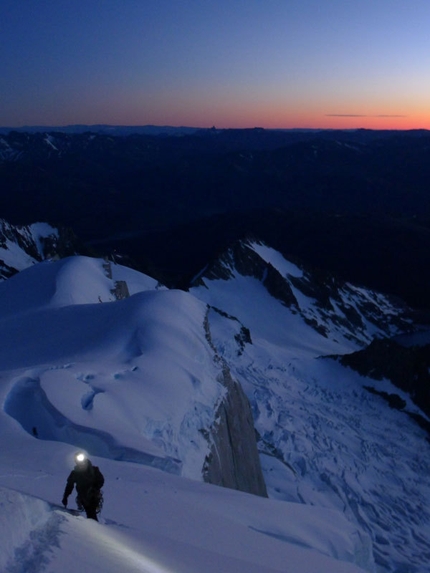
{"points": [[91, 511], [90, 505]]}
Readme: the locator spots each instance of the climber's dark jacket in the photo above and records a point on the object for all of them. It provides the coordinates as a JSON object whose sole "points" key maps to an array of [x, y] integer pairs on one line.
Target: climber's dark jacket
{"points": [[88, 480]]}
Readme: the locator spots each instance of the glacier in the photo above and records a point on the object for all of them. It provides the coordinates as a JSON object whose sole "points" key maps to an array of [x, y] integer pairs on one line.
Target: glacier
{"points": [[324, 440]]}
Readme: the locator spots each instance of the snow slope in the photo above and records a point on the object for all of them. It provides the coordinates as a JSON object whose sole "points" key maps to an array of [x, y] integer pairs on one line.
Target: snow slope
{"points": [[139, 368], [133, 382], [154, 522]]}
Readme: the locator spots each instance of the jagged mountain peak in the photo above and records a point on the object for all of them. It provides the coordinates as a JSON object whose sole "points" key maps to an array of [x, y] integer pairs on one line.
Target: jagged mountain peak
{"points": [[329, 306]]}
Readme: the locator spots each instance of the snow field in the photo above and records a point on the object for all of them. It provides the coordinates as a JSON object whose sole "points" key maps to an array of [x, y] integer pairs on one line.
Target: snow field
{"points": [[136, 381]]}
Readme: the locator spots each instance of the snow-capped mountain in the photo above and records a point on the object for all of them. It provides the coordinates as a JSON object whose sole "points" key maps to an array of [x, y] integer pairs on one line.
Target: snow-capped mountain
{"points": [[346, 316], [156, 385], [24, 245]]}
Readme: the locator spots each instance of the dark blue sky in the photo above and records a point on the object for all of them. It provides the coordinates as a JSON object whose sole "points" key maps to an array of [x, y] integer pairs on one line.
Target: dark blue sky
{"points": [[229, 63]]}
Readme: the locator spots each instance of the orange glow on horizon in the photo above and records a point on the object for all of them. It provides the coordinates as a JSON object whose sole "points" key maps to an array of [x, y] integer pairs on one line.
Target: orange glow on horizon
{"points": [[304, 121], [207, 110], [231, 113]]}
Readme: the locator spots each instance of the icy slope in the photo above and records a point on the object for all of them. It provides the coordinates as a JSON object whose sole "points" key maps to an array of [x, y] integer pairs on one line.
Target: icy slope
{"points": [[324, 439]]}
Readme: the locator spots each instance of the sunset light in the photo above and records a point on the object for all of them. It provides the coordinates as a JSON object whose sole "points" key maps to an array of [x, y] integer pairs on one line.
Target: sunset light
{"points": [[274, 64]]}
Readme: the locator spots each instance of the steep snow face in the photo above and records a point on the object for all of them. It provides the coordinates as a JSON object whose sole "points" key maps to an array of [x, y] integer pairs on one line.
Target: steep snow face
{"points": [[86, 373], [324, 439]]}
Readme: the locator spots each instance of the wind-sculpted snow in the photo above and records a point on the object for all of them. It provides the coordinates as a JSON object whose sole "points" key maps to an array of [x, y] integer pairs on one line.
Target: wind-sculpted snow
{"points": [[28, 531], [324, 439], [139, 368], [28, 404], [68, 282]]}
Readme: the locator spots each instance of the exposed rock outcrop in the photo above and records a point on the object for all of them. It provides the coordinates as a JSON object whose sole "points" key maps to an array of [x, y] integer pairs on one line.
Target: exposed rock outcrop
{"points": [[21, 246], [326, 303], [242, 258], [233, 460]]}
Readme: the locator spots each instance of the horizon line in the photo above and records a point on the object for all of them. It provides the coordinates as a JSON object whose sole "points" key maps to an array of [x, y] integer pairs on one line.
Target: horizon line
{"points": [[208, 128]]}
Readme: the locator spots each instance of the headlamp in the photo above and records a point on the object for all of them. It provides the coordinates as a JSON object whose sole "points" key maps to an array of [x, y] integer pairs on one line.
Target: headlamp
{"points": [[80, 458]]}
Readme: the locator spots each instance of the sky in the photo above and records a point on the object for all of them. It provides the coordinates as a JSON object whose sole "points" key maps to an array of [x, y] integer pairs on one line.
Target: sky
{"points": [[228, 63]]}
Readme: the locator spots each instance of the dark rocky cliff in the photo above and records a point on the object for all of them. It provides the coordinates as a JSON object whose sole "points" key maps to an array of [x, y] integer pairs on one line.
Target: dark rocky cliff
{"points": [[233, 460], [408, 368]]}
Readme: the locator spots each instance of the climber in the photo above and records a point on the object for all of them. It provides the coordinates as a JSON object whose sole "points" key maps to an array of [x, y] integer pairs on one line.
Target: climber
{"points": [[89, 481]]}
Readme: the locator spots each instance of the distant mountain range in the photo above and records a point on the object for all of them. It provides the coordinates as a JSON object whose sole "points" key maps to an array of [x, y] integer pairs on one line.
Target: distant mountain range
{"points": [[102, 128], [354, 202]]}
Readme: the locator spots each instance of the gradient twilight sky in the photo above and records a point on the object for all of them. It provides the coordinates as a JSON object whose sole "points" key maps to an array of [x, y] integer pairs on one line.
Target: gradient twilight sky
{"points": [[228, 63]]}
